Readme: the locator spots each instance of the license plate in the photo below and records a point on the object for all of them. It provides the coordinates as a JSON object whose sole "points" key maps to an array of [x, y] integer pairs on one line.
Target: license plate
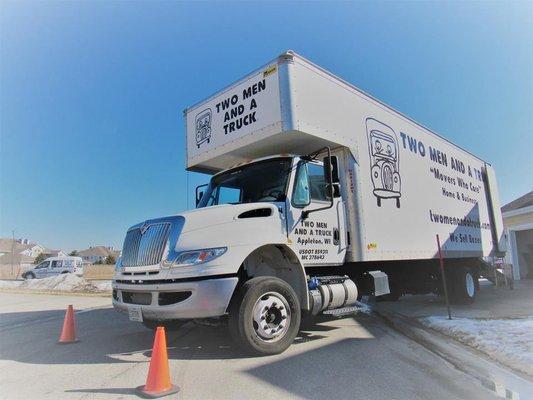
{"points": [[135, 314]]}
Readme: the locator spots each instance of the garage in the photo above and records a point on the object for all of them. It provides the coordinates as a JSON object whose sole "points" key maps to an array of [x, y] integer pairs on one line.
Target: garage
{"points": [[518, 222]]}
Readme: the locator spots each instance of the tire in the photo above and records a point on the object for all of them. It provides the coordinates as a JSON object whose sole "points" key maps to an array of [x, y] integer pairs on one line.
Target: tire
{"points": [[463, 285], [168, 325], [264, 299], [29, 275]]}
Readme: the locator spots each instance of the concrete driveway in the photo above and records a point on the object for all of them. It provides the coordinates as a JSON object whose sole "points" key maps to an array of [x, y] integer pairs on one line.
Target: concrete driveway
{"points": [[351, 358]]}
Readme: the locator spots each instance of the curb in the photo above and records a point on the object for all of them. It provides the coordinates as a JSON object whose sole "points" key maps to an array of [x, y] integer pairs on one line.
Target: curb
{"points": [[415, 331]]}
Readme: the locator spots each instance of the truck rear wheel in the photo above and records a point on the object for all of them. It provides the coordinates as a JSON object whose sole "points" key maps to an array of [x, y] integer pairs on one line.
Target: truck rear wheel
{"points": [[463, 285], [264, 316]]}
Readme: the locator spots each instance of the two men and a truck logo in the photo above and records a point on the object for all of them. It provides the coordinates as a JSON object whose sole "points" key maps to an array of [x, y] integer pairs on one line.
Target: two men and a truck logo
{"points": [[384, 161], [203, 126]]}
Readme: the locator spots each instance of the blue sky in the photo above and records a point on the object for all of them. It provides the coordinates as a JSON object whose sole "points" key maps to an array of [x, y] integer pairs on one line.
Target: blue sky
{"points": [[92, 93]]}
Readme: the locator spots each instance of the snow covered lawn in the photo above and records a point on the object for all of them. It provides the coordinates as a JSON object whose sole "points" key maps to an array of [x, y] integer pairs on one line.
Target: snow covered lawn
{"points": [[509, 341], [59, 283]]}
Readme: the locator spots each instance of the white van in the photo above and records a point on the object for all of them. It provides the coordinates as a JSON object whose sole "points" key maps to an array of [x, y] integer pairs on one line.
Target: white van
{"points": [[54, 266]]}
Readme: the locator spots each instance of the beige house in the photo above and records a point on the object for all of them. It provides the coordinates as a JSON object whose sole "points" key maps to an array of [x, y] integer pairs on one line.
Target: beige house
{"points": [[54, 253], [20, 261], [98, 254], [518, 222], [20, 246]]}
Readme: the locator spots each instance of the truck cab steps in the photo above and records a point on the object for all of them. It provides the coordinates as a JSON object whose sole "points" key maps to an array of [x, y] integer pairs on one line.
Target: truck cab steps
{"points": [[340, 312], [497, 273]]}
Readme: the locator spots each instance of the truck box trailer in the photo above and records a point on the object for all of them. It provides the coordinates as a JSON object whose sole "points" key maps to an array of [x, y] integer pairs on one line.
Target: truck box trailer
{"points": [[320, 193]]}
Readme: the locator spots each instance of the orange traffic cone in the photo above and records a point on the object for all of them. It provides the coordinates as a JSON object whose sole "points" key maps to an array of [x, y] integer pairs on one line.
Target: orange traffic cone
{"points": [[158, 381], [68, 334]]}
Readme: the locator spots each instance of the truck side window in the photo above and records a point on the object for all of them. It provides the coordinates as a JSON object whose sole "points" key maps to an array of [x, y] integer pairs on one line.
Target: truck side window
{"points": [[56, 264], [300, 196], [317, 183], [227, 195], [42, 265]]}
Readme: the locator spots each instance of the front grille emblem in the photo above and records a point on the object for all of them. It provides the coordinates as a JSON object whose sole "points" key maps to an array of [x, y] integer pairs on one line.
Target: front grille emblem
{"points": [[143, 229]]}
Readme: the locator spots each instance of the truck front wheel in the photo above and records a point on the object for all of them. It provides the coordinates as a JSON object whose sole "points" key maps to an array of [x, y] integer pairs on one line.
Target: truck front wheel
{"points": [[463, 285], [264, 316]]}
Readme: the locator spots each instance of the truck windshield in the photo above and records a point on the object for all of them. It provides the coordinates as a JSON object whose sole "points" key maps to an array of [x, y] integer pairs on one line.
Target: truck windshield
{"points": [[262, 181]]}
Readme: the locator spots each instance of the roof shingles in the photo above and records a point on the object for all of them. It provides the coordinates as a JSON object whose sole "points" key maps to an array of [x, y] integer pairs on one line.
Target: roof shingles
{"points": [[522, 202]]}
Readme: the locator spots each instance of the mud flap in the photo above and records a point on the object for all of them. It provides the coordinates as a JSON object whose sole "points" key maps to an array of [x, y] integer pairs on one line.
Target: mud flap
{"points": [[381, 283]]}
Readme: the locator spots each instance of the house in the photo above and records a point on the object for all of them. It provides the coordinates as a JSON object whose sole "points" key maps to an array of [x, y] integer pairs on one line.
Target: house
{"points": [[20, 246], [22, 253], [518, 224], [98, 254], [21, 261], [31, 249], [6, 246], [54, 253]]}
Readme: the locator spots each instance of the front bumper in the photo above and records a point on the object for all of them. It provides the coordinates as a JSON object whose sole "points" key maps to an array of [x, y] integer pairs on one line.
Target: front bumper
{"points": [[207, 298]]}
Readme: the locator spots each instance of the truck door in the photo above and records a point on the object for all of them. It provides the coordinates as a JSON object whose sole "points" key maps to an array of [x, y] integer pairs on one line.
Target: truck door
{"points": [[318, 238]]}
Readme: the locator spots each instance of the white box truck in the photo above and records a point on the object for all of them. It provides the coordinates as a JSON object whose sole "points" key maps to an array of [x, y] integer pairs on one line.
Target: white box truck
{"points": [[319, 194]]}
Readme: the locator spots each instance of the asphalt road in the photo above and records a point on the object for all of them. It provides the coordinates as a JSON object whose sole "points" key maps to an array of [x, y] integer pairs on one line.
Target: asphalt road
{"points": [[350, 358]]}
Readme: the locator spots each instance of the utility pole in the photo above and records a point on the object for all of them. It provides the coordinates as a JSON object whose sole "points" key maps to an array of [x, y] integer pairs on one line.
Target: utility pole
{"points": [[13, 252], [443, 275]]}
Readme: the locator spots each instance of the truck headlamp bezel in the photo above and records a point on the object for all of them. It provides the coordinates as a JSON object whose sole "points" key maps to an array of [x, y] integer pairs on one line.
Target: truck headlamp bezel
{"points": [[197, 257], [118, 265]]}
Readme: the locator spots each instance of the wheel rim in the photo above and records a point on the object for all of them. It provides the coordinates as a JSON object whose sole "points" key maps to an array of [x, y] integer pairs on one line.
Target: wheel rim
{"points": [[470, 287], [271, 317]]}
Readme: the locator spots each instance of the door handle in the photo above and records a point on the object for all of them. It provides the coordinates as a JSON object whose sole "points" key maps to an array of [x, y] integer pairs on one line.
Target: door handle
{"points": [[336, 236]]}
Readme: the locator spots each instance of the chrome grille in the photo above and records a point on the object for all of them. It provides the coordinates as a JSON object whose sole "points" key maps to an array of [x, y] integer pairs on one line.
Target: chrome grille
{"points": [[145, 245]]}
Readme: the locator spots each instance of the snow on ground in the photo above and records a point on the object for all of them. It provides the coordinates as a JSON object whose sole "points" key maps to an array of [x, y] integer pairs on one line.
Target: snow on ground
{"points": [[60, 283], [363, 308], [103, 286], [509, 341]]}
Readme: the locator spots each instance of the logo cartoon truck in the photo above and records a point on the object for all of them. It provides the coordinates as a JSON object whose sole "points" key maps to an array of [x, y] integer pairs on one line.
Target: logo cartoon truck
{"points": [[203, 126], [384, 161]]}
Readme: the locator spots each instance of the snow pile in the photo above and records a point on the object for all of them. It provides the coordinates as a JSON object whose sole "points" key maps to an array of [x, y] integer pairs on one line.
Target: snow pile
{"points": [[509, 341], [59, 283], [103, 286], [363, 308], [10, 284]]}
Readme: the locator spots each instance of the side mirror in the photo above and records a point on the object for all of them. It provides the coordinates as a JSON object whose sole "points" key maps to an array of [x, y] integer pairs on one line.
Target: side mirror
{"points": [[331, 163], [200, 193]]}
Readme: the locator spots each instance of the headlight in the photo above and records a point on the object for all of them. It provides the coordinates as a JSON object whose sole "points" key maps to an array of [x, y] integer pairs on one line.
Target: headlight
{"points": [[201, 256]]}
